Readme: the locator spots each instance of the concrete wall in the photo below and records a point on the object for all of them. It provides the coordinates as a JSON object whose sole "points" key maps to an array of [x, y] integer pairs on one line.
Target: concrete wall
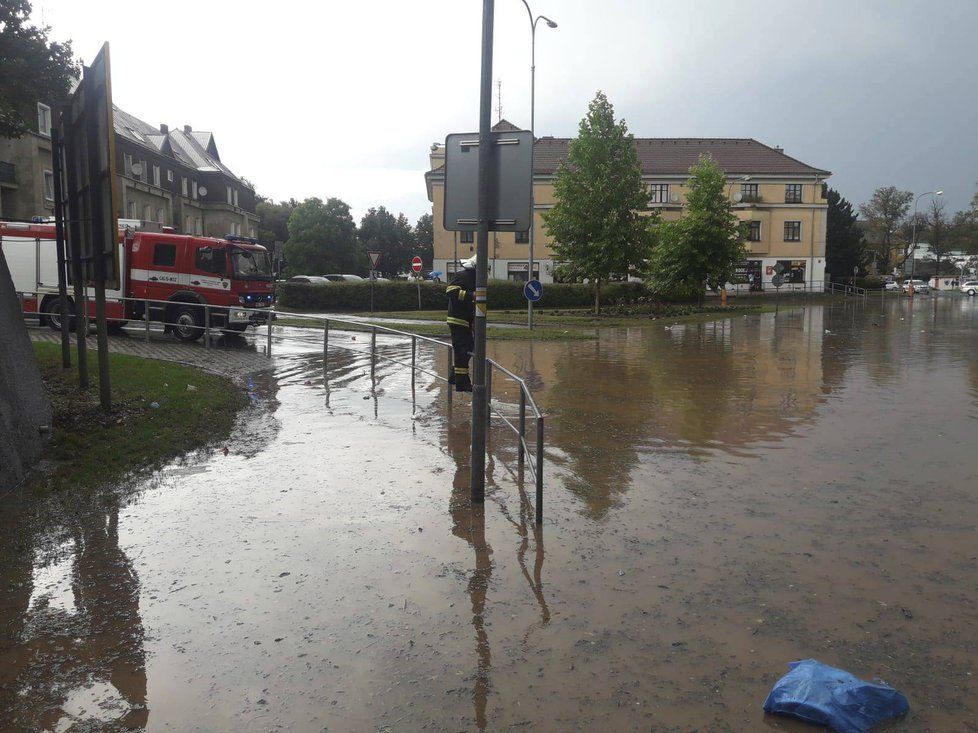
{"points": [[24, 405]]}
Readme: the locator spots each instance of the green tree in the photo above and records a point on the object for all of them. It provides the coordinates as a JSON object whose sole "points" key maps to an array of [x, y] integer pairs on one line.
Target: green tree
{"points": [[33, 69], [390, 235], [274, 225], [884, 213], [963, 232], [424, 237], [703, 248], [595, 224], [845, 245], [937, 232], [322, 239]]}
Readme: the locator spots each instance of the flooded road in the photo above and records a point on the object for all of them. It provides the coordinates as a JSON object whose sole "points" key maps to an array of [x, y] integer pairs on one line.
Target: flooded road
{"points": [[721, 499]]}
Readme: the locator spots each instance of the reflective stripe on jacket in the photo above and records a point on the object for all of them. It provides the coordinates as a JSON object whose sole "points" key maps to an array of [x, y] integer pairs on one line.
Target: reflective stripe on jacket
{"points": [[461, 298]]}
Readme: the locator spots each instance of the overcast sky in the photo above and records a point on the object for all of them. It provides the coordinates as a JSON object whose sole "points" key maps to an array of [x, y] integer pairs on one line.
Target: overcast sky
{"points": [[344, 98]]}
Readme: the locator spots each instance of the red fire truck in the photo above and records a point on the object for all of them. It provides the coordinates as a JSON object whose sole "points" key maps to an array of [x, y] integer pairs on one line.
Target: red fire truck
{"points": [[193, 279]]}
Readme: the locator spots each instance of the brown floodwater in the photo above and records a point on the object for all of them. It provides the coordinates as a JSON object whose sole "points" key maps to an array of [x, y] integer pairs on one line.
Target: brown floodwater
{"points": [[721, 499]]}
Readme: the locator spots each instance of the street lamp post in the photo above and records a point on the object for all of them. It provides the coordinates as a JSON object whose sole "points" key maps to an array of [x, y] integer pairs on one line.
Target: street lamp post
{"points": [[913, 236], [533, 82]]}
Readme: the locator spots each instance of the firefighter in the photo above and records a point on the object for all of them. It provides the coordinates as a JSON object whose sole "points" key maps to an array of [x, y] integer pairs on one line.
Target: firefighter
{"points": [[461, 312]]}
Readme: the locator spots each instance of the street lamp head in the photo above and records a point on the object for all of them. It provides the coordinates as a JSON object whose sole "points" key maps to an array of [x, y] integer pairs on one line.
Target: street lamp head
{"points": [[938, 193], [745, 178], [550, 23]]}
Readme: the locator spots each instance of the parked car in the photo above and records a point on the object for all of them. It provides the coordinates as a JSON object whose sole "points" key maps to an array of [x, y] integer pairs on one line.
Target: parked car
{"points": [[892, 286], [969, 287], [919, 286], [342, 278], [309, 279]]}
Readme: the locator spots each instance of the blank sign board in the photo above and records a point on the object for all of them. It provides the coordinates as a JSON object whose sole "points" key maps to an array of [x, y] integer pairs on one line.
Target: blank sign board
{"points": [[509, 195]]}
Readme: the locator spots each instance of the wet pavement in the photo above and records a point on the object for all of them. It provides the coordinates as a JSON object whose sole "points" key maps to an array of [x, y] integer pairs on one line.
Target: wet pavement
{"points": [[721, 499]]}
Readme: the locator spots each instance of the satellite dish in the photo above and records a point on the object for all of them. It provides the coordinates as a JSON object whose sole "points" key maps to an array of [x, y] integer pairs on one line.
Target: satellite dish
{"points": [[137, 169], [202, 190], [738, 197], [674, 198]]}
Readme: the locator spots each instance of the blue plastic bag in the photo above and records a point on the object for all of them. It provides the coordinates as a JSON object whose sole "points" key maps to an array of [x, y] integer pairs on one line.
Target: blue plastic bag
{"points": [[817, 693]]}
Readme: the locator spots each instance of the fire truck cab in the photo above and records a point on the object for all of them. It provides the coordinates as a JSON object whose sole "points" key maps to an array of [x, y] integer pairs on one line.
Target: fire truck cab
{"points": [[186, 282]]}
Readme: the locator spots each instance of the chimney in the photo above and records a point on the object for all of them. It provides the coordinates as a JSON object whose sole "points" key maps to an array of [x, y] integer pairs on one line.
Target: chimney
{"points": [[779, 148], [165, 129], [188, 129]]}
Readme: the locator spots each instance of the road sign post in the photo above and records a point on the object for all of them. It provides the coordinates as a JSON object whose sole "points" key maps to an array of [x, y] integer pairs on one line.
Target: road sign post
{"points": [[777, 281], [416, 266], [374, 256]]}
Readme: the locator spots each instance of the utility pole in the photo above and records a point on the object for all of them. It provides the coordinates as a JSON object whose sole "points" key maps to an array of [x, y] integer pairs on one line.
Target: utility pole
{"points": [[477, 461]]}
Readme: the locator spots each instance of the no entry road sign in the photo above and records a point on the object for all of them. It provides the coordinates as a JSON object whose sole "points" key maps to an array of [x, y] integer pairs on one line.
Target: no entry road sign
{"points": [[416, 264], [374, 259], [532, 290]]}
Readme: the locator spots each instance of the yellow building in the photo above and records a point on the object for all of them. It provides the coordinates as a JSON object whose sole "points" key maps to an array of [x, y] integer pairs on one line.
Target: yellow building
{"points": [[780, 197]]}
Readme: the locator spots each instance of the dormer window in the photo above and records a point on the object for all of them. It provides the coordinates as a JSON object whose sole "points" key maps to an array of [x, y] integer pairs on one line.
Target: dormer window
{"points": [[43, 119]]}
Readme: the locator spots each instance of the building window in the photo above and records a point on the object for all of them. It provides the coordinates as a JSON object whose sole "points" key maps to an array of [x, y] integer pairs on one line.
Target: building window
{"points": [[169, 176], [523, 237], [792, 231], [48, 186], [186, 225], [127, 164], [143, 171], [193, 190], [183, 185], [198, 226], [43, 119], [793, 271], [466, 237], [235, 197], [229, 194], [754, 231], [131, 210], [749, 193], [252, 233], [164, 255], [161, 216], [147, 213], [792, 193], [156, 176], [659, 193]]}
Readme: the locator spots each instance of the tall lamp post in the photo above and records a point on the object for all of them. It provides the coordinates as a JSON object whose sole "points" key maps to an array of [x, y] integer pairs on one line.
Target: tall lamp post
{"points": [[533, 81], [913, 236]]}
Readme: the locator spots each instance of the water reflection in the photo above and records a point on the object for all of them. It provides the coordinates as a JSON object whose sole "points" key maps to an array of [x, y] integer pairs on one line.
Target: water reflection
{"points": [[469, 524], [71, 648]]}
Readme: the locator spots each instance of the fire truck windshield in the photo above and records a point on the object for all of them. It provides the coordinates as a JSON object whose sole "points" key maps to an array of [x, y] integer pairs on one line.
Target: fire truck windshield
{"points": [[251, 264]]}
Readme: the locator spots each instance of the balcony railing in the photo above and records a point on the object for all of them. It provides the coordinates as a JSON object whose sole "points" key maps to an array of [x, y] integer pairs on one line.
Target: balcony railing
{"points": [[8, 173], [751, 199]]}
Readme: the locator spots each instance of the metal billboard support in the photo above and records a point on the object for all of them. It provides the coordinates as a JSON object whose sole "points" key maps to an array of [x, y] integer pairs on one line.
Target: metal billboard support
{"points": [[59, 234], [77, 273]]}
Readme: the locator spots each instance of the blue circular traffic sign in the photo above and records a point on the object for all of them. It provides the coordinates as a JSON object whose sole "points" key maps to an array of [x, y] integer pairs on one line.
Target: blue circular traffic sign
{"points": [[532, 290]]}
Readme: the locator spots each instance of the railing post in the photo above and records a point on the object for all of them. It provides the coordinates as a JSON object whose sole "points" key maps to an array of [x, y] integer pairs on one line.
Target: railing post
{"points": [[489, 394], [451, 371], [373, 351], [522, 435], [325, 340], [268, 336], [539, 506], [414, 351], [207, 326], [146, 317]]}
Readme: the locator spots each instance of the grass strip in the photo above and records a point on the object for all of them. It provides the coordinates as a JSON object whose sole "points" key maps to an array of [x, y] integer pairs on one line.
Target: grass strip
{"points": [[89, 447]]}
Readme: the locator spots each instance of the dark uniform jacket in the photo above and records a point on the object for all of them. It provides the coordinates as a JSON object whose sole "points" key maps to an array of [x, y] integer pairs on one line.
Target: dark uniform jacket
{"points": [[461, 298]]}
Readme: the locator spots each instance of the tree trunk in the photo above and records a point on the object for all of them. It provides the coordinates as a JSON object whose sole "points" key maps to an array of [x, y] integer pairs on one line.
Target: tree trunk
{"points": [[597, 297]]}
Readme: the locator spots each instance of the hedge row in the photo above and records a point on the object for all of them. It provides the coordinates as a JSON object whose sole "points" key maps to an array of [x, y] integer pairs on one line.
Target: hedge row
{"points": [[403, 296]]}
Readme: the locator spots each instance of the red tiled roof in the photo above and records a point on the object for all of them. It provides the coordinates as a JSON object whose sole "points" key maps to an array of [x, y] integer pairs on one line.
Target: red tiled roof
{"points": [[675, 156]]}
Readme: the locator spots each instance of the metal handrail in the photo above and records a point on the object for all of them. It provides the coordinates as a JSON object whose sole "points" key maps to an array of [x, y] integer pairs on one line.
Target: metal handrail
{"points": [[535, 459]]}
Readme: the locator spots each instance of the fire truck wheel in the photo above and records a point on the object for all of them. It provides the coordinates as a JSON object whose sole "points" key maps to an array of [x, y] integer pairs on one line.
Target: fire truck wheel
{"points": [[53, 309], [188, 326]]}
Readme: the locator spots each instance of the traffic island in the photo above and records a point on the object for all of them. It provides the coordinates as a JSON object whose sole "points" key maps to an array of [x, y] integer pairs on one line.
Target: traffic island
{"points": [[160, 410]]}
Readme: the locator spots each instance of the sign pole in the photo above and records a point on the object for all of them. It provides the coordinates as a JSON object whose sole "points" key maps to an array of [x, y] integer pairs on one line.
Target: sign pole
{"points": [[477, 460], [374, 256], [59, 234]]}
